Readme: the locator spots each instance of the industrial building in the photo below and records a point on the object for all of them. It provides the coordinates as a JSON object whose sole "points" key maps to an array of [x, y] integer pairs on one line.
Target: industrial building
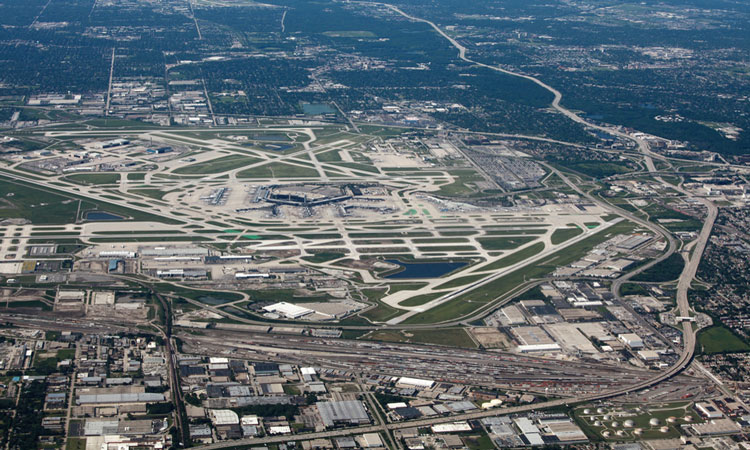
{"points": [[116, 399], [288, 310], [632, 340], [414, 383], [350, 412]]}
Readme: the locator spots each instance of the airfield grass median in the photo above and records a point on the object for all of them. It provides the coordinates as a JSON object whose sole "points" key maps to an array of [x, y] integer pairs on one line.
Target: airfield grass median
{"points": [[217, 165], [561, 235], [94, 178], [462, 281], [278, 170], [381, 313], [420, 299], [504, 243], [43, 205], [515, 258]]}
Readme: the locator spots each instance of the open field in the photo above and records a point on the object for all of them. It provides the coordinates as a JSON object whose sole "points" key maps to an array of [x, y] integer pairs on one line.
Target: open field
{"points": [[719, 339], [456, 337]]}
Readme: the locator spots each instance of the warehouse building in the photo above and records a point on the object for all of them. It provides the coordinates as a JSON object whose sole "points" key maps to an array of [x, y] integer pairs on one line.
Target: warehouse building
{"points": [[288, 310], [632, 340], [414, 383], [142, 397], [351, 412]]}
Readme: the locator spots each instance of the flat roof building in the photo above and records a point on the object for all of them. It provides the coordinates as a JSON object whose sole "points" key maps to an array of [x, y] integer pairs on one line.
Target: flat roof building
{"points": [[288, 310], [709, 410], [415, 382], [350, 412], [632, 340], [224, 417], [455, 427]]}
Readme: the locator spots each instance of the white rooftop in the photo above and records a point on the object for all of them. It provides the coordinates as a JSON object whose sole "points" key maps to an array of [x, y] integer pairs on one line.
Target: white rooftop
{"points": [[288, 309], [224, 417], [416, 382]]}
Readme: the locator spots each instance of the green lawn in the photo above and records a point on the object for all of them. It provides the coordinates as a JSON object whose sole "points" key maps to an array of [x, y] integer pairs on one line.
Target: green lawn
{"points": [[94, 178], [278, 170], [381, 313], [462, 281], [136, 176], [217, 165], [454, 337], [482, 442], [667, 270], [75, 443], [632, 289], [561, 235], [719, 339], [40, 206], [323, 257], [462, 186], [504, 243], [420, 299], [515, 257], [328, 156], [152, 193], [48, 206]]}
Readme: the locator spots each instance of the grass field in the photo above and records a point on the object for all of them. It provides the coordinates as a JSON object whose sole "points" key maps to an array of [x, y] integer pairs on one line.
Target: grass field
{"points": [[381, 313], [719, 339], [561, 235], [632, 289], [358, 166], [453, 337], [462, 186], [504, 243], [27, 304], [37, 205], [94, 178], [47, 206], [397, 287], [75, 443], [323, 257], [136, 176], [328, 156], [217, 165], [482, 442], [420, 299], [350, 34], [462, 281], [683, 222], [195, 294], [278, 170], [516, 257], [667, 270], [157, 194]]}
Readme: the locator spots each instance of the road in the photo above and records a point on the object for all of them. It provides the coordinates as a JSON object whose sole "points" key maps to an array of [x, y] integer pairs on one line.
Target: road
{"points": [[109, 88], [691, 267]]}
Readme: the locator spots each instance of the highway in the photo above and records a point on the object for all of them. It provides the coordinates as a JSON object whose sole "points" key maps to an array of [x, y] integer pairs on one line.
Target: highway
{"points": [[691, 266]]}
